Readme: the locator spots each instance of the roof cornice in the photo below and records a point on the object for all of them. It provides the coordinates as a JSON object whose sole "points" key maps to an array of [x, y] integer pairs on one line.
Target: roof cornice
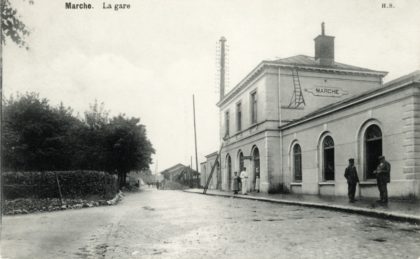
{"points": [[330, 69], [251, 75], [266, 63]]}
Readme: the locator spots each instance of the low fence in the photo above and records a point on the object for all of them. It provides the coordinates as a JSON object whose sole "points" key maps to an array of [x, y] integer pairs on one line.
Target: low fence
{"points": [[67, 184]]}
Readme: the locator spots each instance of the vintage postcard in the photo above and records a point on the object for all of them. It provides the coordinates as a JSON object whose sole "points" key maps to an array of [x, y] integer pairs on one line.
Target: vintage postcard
{"points": [[299, 121]]}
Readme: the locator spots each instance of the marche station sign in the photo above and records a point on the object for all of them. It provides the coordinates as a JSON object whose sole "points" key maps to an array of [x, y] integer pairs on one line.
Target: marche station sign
{"points": [[326, 91]]}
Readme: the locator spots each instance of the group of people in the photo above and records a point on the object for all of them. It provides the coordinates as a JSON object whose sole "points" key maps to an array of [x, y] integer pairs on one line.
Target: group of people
{"points": [[382, 173], [240, 182]]}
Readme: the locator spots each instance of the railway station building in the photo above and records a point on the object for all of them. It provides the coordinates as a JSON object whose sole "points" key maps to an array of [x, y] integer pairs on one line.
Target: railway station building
{"points": [[296, 121]]}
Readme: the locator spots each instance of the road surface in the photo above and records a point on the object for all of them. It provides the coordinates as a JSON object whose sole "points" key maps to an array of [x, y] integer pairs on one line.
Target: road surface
{"points": [[173, 224]]}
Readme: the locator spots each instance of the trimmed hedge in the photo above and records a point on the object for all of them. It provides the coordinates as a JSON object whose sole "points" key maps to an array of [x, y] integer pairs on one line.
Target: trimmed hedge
{"points": [[73, 184]]}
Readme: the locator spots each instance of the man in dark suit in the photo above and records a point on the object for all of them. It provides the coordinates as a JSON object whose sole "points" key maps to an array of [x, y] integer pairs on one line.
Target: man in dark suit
{"points": [[383, 177], [352, 179]]}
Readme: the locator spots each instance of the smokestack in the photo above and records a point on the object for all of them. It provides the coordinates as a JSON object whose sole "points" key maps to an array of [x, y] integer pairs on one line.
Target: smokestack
{"points": [[222, 66], [324, 48]]}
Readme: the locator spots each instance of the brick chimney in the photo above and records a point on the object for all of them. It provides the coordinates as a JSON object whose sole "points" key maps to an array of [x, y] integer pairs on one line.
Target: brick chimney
{"points": [[324, 48]]}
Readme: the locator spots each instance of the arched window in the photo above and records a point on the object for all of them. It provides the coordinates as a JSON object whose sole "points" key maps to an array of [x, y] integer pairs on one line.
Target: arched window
{"points": [[256, 167], [373, 149], [328, 161], [297, 163], [229, 171]]}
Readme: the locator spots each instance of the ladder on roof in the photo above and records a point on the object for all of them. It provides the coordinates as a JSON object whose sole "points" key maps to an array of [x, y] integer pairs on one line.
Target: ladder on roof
{"points": [[297, 97]]}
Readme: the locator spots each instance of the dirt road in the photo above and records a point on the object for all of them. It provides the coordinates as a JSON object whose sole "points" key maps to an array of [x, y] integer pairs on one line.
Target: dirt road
{"points": [[173, 224]]}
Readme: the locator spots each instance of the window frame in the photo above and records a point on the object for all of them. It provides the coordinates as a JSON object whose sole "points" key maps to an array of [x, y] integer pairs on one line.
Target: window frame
{"points": [[324, 150], [367, 140], [254, 107], [229, 171], [294, 167], [238, 116], [241, 161], [227, 123]]}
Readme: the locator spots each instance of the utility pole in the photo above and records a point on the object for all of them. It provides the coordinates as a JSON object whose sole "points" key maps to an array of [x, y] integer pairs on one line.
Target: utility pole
{"points": [[195, 137], [190, 175]]}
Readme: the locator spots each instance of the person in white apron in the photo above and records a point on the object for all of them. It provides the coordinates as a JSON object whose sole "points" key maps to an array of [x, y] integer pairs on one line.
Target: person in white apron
{"points": [[244, 180]]}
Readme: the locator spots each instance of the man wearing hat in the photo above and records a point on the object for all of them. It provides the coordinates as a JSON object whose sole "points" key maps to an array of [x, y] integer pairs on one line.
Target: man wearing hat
{"points": [[352, 179], [383, 176]]}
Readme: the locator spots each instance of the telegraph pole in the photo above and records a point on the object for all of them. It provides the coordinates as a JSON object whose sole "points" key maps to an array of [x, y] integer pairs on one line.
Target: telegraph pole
{"points": [[190, 173], [195, 137]]}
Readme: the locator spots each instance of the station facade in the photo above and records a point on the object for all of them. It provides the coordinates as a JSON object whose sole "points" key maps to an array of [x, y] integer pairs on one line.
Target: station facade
{"points": [[295, 122]]}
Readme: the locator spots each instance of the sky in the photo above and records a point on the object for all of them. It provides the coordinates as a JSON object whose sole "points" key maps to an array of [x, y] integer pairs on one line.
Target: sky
{"points": [[149, 60]]}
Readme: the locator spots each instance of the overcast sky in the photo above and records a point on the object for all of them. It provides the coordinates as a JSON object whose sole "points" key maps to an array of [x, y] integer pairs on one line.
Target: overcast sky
{"points": [[149, 60]]}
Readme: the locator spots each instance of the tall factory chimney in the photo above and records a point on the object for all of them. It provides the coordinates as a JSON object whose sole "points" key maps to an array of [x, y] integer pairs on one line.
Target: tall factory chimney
{"points": [[222, 66], [324, 48]]}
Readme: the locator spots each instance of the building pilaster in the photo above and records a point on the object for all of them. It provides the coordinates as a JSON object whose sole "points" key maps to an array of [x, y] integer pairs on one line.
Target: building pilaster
{"points": [[411, 118]]}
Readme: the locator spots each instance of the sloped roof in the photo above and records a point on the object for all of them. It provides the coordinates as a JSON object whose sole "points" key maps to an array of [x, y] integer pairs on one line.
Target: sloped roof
{"points": [[174, 168], [178, 169], [303, 60], [211, 154]]}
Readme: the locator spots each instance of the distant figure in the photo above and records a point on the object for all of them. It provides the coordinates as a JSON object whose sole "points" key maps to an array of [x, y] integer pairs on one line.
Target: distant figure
{"points": [[235, 186], [244, 180], [352, 179], [383, 177], [257, 180]]}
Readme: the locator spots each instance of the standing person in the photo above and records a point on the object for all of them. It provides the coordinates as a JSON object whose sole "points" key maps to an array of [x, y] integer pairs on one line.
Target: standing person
{"points": [[352, 179], [244, 180], [235, 186], [257, 180], [383, 177]]}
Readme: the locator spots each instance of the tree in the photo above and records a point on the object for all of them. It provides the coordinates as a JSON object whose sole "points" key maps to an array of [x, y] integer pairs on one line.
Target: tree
{"points": [[96, 117], [127, 147], [38, 137], [35, 135], [12, 26], [88, 139]]}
